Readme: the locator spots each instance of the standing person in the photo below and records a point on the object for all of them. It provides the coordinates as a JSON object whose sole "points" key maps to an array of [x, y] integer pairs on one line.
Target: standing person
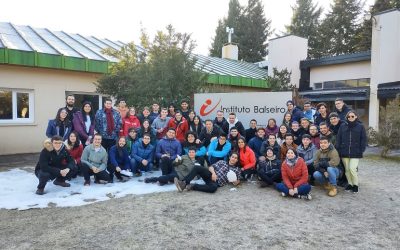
{"points": [[308, 111], [131, 139], [180, 125], [351, 143], [69, 107], [296, 112], [84, 123], [60, 126], [256, 142], [323, 114], [155, 112], [145, 115], [269, 169], [247, 159], [108, 123], [209, 133], [160, 124], [74, 148], [307, 151], [288, 144], [147, 129], [280, 138], [142, 155], [215, 176], [341, 109], [234, 122], [54, 163], [221, 122], [185, 109], [273, 143], [119, 160], [129, 121], [271, 128], [335, 122], [294, 176], [314, 135], [94, 162], [218, 149], [171, 110], [251, 131], [197, 125], [122, 108]]}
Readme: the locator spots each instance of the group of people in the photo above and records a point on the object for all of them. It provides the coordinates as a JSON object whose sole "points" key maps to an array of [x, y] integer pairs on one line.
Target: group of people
{"points": [[309, 146]]}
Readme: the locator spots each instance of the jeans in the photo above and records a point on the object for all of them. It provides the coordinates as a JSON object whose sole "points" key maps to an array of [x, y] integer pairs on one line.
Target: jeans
{"points": [[164, 179], [333, 174], [166, 165], [301, 190], [136, 165], [210, 186]]}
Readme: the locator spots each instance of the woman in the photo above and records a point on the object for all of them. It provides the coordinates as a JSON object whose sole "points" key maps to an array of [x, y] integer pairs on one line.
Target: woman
{"points": [[287, 120], [271, 128], [190, 142], [180, 125], [74, 147], [294, 175], [171, 110], [351, 142], [283, 130], [131, 139], [129, 121], [323, 114], [60, 125], [145, 128], [269, 169], [83, 121], [247, 159], [288, 144], [197, 125], [190, 119], [119, 160]]}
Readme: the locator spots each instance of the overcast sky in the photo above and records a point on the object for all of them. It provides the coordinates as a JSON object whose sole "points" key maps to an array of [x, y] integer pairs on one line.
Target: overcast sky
{"points": [[123, 19]]}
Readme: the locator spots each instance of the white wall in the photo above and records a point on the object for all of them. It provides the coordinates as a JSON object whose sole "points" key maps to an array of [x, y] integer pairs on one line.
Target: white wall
{"points": [[287, 52]]}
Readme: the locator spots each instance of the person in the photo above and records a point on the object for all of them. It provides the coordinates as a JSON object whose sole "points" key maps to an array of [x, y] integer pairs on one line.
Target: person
{"points": [[314, 135], [233, 138], [269, 168], [119, 160], [296, 132], [215, 176], [180, 125], [108, 123], [197, 125], [307, 151], [283, 130], [334, 122], [147, 129], [167, 151], [351, 143], [304, 126], [326, 162], [83, 122], [341, 109], [69, 107], [271, 128], [324, 131], [247, 160], [131, 139], [234, 122], [160, 124], [94, 162], [55, 163], [251, 131], [185, 109], [209, 132], [60, 125], [122, 108], [142, 155], [155, 112], [323, 114], [256, 142], [287, 120], [192, 142], [130, 120], [270, 142], [288, 144], [296, 112], [221, 122], [171, 110], [218, 149], [294, 177], [144, 115], [74, 148], [308, 111], [190, 119]]}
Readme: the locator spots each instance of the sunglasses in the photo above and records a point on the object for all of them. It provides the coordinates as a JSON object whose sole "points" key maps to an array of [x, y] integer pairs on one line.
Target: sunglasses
{"points": [[351, 116]]}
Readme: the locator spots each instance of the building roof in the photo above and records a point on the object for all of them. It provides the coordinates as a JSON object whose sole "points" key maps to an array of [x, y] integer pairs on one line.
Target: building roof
{"points": [[361, 93], [389, 90], [330, 60]]}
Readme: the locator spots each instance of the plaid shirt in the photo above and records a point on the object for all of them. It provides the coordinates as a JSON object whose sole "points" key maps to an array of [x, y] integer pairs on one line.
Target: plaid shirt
{"points": [[221, 169]]}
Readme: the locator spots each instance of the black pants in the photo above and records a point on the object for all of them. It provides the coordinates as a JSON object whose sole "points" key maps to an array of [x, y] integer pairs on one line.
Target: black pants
{"points": [[246, 174], [210, 186], [87, 172], [270, 178], [107, 143], [112, 171], [311, 170], [166, 165], [44, 177]]}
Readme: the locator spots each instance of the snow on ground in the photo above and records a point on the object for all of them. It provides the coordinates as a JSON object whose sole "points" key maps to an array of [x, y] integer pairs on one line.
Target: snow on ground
{"points": [[18, 187]]}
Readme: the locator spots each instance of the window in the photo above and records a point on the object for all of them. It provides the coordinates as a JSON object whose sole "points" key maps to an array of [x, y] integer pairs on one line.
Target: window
{"points": [[352, 83], [318, 85], [16, 106], [95, 99]]}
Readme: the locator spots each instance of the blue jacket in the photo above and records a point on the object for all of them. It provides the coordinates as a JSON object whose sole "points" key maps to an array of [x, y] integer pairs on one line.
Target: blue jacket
{"points": [[297, 114], [168, 146], [308, 154], [200, 151], [255, 144], [212, 152], [351, 140], [101, 124], [53, 129], [140, 152], [122, 162]]}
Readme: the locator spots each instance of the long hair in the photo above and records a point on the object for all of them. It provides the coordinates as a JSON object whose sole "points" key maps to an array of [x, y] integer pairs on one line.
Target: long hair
{"points": [[245, 144], [91, 113], [77, 142], [66, 121]]}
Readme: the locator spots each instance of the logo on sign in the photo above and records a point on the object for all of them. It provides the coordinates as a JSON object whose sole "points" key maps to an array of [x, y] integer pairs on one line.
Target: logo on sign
{"points": [[206, 105]]}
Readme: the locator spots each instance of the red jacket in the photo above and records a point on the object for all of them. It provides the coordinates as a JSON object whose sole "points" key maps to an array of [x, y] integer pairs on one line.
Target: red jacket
{"points": [[248, 158], [180, 128], [127, 123], [76, 153], [296, 176]]}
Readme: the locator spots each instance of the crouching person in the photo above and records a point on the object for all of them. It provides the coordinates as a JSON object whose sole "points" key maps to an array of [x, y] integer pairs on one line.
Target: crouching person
{"points": [[326, 162], [217, 175], [94, 162], [119, 160], [294, 176], [142, 155], [269, 170], [54, 163]]}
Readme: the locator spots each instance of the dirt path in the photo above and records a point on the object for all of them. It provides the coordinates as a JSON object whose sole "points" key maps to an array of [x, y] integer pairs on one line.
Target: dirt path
{"points": [[248, 218]]}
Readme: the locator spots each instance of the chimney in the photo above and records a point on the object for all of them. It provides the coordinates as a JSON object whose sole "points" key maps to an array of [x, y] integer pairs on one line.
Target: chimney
{"points": [[230, 51]]}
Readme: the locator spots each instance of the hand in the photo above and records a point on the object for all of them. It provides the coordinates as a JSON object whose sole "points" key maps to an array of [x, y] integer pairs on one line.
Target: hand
{"points": [[295, 191], [62, 173], [165, 155], [95, 170], [198, 141], [176, 160], [326, 174], [235, 183], [261, 158], [145, 162], [291, 192], [214, 177], [118, 169]]}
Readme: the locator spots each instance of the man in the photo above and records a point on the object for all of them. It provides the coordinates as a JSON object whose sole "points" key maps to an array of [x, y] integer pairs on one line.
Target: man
{"points": [[335, 122], [145, 115], [122, 108], [218, 149], [307, 151], [296, 132], [54, 163], [142, 155], [251, 131], [324, 131], [308, 111], [215, 176], [341, 108], [167, 151], [297, 114], [185, 109], [108, 124], [155, 112], [160, 124], [326, 162], [94, 162], [69, 106], [209, 133], [234, 122], [256, 142], [221, 122], [270, 142], [304, 126], [233, 138]]}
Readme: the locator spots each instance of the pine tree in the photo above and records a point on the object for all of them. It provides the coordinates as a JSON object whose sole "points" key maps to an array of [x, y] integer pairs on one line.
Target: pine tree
{"points": [[305, 22]]}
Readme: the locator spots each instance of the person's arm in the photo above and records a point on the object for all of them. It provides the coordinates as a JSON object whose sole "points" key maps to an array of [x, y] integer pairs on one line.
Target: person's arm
{"points": [[118, 122], [78, 127], [113, 156], [363, 139], [79, 154], [285, 177], [104, 160], [334, 158], [151, 155], [127, 162], [240, 128], [135, 152], [224, 152], [158, 149], [250, 159], [49, 130], [98, 123], [178, 150], [201, 151], [44, 159], [304, 174]]}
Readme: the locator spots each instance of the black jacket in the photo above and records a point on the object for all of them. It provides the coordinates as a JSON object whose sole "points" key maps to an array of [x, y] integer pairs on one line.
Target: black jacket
{"points": [[250, 133], [206, 137], [52, 162], [351, 140], [223, 125], [270, 166]]}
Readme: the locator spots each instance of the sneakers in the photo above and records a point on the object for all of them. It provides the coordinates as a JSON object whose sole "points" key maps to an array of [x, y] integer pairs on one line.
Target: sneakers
{"points": [[349, 188], [61, 183], [126, 173], [86, 183], [355, 189], [40, 191], [332, 192], [305, 197], [138, 174], [283, 194], [180, 185], [150, 180], [189, 187]]}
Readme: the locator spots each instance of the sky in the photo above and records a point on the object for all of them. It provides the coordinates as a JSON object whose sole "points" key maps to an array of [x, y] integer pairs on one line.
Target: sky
{"points": [[123, 19]]}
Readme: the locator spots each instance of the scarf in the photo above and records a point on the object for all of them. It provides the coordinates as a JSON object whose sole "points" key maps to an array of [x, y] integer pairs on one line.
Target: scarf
{"points": [[291, 162], [110, 121]]}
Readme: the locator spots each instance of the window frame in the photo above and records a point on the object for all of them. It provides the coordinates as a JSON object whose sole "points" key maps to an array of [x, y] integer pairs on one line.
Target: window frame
{"points": [[14, 101]]}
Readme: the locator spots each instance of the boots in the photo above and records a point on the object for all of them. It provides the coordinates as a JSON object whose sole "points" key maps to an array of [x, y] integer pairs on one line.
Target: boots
{"points": [[332, 191], [327, 186]]}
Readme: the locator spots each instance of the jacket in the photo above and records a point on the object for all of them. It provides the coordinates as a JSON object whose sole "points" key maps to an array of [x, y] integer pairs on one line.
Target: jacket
{"points": [[295, 176], [284, 149], [80, 127], [152, 132], [53, 129], [308, 154], [212, 152], [326, 158], [168, 146], [101, 124], [351, 140], [255, 144], [271, 131], [297, 114], [315, 140], [129, 122], [119, 161], [250, 133], [247, 158], [159, 123], [269, 166], [318, 119], [92, 158], [75, 153], [238, 125], [276, 149], [185, 166], [180, 127], [223, 125], [51, 161], [205, 137], [141, 152], [342, 114]]}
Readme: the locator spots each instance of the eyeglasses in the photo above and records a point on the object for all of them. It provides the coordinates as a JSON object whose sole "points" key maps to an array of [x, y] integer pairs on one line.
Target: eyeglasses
{"points": [[57, 142], [351, 116]]}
